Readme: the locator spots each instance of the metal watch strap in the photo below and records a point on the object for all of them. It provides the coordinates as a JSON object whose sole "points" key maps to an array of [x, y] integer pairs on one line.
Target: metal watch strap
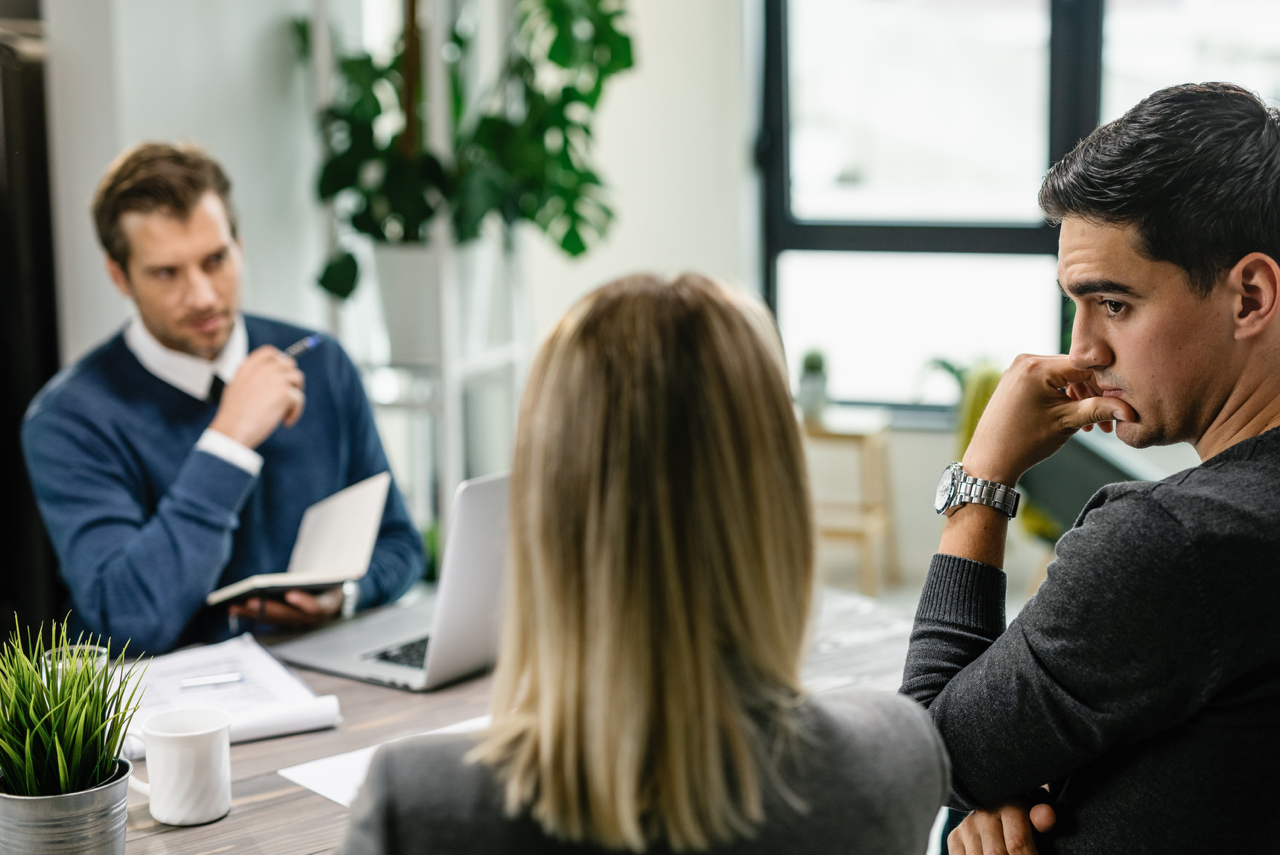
{"points": [[350, 597], [989, 493]]}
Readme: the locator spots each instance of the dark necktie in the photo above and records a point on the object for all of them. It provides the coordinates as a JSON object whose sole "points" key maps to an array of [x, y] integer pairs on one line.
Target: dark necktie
{"points": [[215, 390]]}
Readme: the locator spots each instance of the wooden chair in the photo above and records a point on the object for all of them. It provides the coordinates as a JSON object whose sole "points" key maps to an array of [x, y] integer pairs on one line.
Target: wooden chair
{"points": [[860, 512]]}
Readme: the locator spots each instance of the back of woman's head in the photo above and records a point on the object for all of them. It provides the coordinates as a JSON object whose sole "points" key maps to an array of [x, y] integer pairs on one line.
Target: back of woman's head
{"points": [[661, 569]]}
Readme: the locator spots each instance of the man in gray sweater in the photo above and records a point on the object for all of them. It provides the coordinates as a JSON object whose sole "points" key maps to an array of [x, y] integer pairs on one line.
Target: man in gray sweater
{"points": [[1142, 682]]}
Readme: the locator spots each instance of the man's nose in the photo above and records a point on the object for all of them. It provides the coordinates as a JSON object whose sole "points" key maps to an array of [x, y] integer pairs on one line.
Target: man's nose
{"points": [[200, 291], [1089, 350]]}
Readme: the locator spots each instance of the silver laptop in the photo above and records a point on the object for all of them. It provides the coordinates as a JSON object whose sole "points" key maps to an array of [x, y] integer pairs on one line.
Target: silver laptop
{"points": [[428, 639]]}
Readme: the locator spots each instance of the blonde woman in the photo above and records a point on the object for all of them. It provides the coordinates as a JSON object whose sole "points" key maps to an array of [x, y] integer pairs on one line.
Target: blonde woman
{"points": [[647, 695]]}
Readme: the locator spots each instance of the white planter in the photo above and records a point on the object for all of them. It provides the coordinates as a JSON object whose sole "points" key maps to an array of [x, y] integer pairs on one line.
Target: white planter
{"points": [[410, 289], [813, 396]]}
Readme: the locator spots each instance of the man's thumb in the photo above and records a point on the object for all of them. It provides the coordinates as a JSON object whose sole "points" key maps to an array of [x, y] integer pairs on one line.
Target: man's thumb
{"points": [[1093, 410], [1043, 817]]}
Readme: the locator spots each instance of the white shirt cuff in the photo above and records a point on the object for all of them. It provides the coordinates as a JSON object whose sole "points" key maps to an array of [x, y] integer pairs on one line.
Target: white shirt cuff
{"points": [[220, 445]]}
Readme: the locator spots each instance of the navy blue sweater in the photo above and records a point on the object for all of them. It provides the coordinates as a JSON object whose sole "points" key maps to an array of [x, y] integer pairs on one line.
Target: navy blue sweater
{"points": [[145, 526]]}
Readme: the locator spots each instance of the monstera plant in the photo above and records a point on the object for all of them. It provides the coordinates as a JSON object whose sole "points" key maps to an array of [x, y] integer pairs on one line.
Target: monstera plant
{"points": [[521, 148]]}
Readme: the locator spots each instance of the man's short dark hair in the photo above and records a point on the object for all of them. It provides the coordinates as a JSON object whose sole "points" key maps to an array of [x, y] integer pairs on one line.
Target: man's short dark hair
{"points": [[1195, 168], [155, 177]]}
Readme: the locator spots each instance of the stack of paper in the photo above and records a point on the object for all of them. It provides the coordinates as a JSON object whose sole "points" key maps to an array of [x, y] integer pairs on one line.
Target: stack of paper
{"points": [[237, 676]]}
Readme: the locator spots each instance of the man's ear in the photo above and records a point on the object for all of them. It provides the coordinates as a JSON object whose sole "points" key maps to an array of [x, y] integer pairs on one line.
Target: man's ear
{"points": [[120, 278], [1254, 284]]}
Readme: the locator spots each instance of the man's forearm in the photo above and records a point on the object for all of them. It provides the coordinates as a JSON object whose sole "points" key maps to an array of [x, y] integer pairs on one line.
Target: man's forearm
{"points": [[1026, 705], [961, 613], [137, 576], [976, 532]]}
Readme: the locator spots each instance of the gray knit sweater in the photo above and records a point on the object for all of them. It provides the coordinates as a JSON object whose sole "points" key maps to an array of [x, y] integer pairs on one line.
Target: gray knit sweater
{"points": [[1142, 681], [872, 774]]}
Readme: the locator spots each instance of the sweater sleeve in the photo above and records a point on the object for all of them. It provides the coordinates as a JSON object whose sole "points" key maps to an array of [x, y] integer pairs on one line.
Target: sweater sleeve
{"points": [[422, 796], [133, 574], [371, 830], [397, 560], [1120, 643]]}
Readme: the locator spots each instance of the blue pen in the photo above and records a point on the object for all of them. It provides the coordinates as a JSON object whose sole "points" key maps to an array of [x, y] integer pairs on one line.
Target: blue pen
{"points": [[303, 345]]}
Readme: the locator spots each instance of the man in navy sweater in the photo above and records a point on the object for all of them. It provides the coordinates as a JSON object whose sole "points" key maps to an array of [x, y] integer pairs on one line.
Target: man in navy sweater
{"points": [[178, 457]]}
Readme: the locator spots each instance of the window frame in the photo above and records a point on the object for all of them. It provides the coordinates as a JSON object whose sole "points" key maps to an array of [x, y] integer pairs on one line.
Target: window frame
{"points": [[1075, 102]]}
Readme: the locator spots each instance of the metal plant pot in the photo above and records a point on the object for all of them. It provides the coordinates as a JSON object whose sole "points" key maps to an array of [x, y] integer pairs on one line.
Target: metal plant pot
{"points": [[90, 822]]}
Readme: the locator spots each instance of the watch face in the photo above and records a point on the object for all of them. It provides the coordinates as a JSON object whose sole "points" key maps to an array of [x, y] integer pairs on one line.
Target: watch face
{"points": [[946, 485]]}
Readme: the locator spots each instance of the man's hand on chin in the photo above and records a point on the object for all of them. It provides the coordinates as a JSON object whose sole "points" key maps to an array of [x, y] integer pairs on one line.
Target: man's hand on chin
{"points": [[266, 392], [298, 609], [1001, 829], [1040, 402]]}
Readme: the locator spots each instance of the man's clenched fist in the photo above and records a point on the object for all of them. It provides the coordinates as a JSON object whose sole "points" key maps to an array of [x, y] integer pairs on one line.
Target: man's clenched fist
{"points": [[266, 392]]}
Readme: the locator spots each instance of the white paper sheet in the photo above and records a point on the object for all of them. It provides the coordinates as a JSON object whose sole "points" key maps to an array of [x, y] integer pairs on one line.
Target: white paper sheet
{"points": [[338, 778], [268, 701]]}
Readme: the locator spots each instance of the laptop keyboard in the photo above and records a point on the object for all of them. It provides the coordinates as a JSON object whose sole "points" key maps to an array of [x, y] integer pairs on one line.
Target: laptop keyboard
{"points": [[411, 654]]}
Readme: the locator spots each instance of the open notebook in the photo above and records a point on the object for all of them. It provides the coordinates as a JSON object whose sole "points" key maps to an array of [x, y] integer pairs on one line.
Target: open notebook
{"points": [[335, 543]]}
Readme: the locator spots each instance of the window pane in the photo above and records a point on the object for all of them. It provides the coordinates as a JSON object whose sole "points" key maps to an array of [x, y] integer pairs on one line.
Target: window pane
{"points": [[881, 317], [1150, 44], [923, 111]]}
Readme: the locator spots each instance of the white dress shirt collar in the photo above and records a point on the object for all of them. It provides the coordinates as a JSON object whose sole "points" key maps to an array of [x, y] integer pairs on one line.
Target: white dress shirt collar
{"points": [[191, 374]]}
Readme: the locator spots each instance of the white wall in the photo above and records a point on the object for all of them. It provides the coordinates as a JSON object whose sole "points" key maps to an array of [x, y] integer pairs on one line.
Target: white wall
{"points": [[83, 137], [223, 75], [674, 141]]}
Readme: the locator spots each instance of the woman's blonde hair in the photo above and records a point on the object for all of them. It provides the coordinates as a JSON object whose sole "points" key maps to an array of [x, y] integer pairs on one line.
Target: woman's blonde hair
{"points": [[661, 570]]}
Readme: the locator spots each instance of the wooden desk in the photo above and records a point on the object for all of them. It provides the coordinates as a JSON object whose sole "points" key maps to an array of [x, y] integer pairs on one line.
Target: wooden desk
{"points": [[271, 814], [857, 642]]}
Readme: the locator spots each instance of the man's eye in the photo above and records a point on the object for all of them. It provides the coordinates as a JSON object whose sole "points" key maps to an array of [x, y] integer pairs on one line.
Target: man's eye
{"points": [[1113, 307], [215, 261]]}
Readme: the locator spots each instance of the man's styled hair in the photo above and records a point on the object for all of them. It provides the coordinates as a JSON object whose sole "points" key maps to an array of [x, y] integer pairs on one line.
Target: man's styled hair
{"points": [[1195, 168], [155, 177], [661, 568]]}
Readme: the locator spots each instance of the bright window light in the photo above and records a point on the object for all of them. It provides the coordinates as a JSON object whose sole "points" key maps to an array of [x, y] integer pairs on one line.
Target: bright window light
{"points": [[880, 318], [921, 111], [1150, 45]]}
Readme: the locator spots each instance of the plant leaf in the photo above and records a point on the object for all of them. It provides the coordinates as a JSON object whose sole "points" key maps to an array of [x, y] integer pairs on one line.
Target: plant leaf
{"points": [[63, 778], [340, 275]]}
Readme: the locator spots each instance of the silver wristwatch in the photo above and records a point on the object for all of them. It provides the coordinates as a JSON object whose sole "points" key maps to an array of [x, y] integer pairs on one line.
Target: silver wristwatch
{"points": [[350, 597], [955, 488]]}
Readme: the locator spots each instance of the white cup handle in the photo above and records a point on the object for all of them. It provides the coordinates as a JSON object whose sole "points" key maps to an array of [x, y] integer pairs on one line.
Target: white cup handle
{"points": [[139, 786]]}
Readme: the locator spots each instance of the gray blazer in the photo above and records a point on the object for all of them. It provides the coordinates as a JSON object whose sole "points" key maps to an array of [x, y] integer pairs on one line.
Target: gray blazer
{"points": [[873, 773]]}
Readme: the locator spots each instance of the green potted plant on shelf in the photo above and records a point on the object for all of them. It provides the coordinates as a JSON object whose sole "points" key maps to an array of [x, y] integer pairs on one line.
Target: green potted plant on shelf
{"points": [[64, 712], [523, 150], [812, 394]]}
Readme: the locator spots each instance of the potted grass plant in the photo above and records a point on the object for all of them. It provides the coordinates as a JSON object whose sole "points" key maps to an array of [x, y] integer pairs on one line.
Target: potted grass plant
{"points": [[64, 711]]}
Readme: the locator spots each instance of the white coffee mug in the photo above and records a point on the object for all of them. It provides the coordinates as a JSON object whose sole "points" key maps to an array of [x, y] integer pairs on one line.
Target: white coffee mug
{"points": [[189, 766]]}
